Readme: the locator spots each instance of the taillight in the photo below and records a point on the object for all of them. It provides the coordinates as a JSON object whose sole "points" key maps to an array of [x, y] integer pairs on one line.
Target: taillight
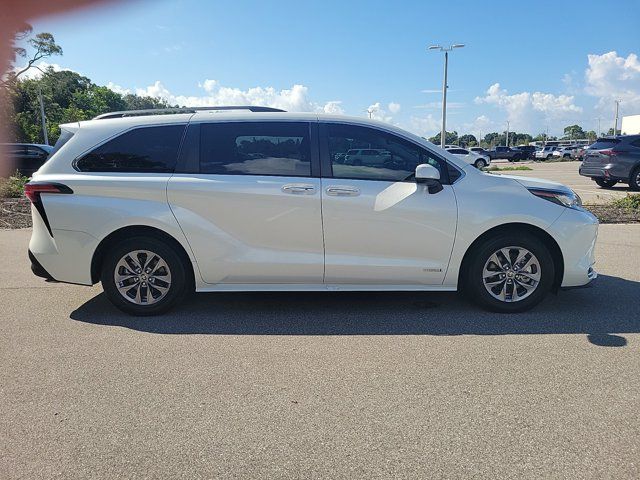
{"points": [[33, 190]]}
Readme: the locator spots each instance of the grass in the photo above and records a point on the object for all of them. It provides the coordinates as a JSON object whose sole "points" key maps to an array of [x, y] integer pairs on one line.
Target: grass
{"points": [[506, 169], [621, 210], [13, 187], [630, 202]]}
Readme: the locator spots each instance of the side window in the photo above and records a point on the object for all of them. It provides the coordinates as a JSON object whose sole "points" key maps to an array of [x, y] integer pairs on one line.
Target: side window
{"points": [[255, 148], [147, 149], [387, 157]]}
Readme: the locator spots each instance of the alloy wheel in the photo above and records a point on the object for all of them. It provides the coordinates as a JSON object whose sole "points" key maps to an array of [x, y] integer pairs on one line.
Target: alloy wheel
{"points": [[511, 274], [142, 277]]}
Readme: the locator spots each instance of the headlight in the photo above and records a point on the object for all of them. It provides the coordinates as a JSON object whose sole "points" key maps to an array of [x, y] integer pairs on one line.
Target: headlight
{"points": [[566, 199]]}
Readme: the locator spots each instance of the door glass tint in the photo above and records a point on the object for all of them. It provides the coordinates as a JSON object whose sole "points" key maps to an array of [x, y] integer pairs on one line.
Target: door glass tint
{"points": [[148, 149], [255, 148], [363, 153]]}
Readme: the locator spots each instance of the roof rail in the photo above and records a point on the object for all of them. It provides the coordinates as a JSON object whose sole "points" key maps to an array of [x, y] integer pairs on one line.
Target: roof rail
{"points": [[160, 111]]}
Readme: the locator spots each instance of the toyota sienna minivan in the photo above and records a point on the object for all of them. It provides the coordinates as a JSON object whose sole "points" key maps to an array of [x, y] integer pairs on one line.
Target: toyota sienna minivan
{"points": [[156, 204]]}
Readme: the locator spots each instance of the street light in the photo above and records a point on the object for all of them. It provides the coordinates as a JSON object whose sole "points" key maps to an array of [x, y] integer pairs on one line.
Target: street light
{"points": [[446, 51]]}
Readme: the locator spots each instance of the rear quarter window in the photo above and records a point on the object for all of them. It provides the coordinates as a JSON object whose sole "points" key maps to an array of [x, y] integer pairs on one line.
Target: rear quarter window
{"points": [[604, 143], [141, 150]]}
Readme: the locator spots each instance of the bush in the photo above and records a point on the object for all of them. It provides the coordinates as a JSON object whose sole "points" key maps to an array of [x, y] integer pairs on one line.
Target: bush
{"points": [[630, 202], [13, 187]]}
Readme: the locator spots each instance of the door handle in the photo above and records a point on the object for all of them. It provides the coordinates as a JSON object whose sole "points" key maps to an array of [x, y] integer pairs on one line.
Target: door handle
{"points": [[343, 191], [299, 189]]}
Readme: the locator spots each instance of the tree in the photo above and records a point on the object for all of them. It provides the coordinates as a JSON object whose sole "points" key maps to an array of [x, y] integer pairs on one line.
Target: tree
{"points": [[468, 140], [592, 136], [68, 97], [610, 132], [574, 132], [43, 46], [450, 138]]}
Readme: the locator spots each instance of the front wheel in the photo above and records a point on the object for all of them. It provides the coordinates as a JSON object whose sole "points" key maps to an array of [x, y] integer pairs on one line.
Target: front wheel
{"points": [[634, 180], [480, 164], [144, 276], [509, 273], [602, 183]]}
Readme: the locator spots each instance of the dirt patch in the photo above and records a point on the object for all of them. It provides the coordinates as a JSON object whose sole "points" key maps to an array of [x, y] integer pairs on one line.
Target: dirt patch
{"points": [[15, 213], [612, 214]]}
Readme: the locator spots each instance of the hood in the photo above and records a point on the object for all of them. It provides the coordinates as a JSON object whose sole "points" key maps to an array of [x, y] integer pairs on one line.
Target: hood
{"points": [[529, 182]]}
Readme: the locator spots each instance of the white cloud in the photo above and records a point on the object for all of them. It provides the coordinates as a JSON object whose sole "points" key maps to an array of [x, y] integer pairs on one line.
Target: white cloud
{"points": [[611, 77], [424, 126], [37, 70], [294, 99], [438, 105], [394, 107], [377, 112], [527, 111], [118, 89], [333, 107]]}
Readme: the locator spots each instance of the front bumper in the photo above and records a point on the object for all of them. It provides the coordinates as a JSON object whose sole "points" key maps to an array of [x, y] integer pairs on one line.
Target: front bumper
{"points": [[576, 232]]}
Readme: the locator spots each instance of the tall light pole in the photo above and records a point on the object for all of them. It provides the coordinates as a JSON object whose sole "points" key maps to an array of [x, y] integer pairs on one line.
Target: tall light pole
{"points": [[43, 118], [506, 144], [615, 122], [446, 51]]}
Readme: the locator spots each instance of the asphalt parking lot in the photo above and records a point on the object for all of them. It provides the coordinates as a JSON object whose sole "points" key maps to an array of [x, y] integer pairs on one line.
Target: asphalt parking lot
{"points": [[567, 173], [321, 385]]}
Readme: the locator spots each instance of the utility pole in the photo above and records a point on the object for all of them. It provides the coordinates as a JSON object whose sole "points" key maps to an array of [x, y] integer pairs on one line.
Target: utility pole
{"points": [[599, 130], [507, 140], [615, 122], [43, 118], [370, 112], [443, 133]]}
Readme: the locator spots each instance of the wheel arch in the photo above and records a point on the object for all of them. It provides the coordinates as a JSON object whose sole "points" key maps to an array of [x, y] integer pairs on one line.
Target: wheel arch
{"points": [[519, 228], [135, 231]]}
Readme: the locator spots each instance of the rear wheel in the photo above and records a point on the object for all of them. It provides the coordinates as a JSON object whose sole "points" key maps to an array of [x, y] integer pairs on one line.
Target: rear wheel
{"points": [[144, 276], [480, 164], [602, 183], [509, 273], [634, 180]]}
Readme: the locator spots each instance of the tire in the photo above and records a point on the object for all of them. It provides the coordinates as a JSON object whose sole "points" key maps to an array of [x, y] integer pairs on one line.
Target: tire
{"points": [[602, 183], [634, 179], [480, 164], [539, 268], [135, 299]]}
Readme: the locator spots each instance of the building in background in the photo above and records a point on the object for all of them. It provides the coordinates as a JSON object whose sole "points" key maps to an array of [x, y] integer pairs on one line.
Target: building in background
{"points": [[630, 125]]}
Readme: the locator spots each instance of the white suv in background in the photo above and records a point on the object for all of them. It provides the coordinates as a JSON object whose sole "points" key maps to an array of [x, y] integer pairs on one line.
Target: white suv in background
{"points": [[158, 205], [472, 158]]}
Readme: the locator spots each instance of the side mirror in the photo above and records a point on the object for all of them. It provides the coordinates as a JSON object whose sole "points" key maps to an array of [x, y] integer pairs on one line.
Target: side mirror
{"points": [[430, 176]]}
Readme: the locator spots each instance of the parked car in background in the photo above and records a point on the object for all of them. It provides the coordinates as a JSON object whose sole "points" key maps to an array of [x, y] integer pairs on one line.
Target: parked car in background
{"points": [[580, 152], [564, 152], [367, 156], [156, 206], [479, 151], [546, 153], [529, 150], [613, 160], [26, 158], [506, 153], [471, 157]]}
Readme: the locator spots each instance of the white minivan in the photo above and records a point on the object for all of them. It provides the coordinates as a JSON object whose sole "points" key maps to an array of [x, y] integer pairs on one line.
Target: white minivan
{"points": [[155, 204]]}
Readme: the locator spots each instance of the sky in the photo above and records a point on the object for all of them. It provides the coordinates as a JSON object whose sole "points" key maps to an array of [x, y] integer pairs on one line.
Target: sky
{"points": [[536, 64]]}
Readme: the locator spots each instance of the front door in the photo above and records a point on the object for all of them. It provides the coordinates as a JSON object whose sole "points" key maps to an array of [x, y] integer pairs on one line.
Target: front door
{"points": [[380, 226]]}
